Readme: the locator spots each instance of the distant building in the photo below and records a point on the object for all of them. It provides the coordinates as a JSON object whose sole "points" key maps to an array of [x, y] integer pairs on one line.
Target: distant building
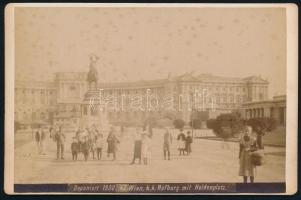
{"points": [[275, 108], [213, 94]]}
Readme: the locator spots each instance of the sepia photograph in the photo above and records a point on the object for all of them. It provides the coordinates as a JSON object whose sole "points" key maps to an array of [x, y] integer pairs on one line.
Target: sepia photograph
{"points": [[151, 98]]}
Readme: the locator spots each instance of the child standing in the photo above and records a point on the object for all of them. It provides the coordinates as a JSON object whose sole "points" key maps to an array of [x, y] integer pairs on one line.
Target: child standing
{"points": [[181, 141], [74, 148]]}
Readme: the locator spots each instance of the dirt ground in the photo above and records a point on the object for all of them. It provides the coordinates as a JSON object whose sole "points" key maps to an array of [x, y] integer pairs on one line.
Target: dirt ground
{"points": [[210, 161]]}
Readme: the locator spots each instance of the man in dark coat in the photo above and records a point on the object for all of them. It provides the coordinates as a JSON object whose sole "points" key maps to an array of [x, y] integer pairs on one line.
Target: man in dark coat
{"points": [[86, 147], [38, 138], [137, 147], [167, 144], [60, 142], [74, 148], [188, 143]]}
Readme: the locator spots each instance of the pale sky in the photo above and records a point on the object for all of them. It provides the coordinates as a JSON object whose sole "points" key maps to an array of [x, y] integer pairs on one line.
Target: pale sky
{"points": [[148, 43]]}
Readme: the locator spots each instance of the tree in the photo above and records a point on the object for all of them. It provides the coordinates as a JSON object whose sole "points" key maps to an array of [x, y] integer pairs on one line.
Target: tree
{"points": [[226, 125], [169, 115], [211, 124], [260, 126], [178, 123]]}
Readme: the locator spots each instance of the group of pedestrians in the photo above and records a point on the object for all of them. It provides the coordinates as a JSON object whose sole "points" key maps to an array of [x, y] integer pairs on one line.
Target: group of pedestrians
{"points": [[142, 147], [184, 143], [40, 137], [90, 141], [56, 134]]}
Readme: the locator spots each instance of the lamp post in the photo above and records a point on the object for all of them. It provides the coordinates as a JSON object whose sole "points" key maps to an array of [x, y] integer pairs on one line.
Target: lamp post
{"points": [[31, 123]]}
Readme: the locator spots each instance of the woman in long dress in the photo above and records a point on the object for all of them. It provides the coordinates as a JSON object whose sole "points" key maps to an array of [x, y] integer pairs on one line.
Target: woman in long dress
{"points": [[112, 143], [137, 147], [247, 145], [146, 148]]}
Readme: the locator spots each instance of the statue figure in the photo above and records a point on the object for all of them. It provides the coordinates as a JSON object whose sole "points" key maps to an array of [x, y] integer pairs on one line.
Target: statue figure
{"points": [[92, 74]]}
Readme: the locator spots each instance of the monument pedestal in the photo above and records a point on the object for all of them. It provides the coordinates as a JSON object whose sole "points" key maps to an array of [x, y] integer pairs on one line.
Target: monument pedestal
{"points": [[93, 112]]}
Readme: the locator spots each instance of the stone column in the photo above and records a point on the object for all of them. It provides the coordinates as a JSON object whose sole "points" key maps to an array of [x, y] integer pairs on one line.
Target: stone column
{"points": [[267, 112], [245, 113], [284, 112], [276, 114]]}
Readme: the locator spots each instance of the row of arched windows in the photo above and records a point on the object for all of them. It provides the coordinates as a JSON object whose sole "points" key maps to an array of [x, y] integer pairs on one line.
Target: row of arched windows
{"points": [[27, 116]]}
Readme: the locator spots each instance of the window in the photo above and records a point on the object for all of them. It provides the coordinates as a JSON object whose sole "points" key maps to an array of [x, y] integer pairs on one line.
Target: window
{"points": [[74, 109], [72, 87], [42, 116], [85, 110], [42, 97], [94, 111], [231, 99], [25, 116], [217, 99], [34, 115]]}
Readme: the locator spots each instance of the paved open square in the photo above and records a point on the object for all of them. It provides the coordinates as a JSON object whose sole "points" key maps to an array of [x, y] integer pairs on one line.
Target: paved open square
{"points": [[209, 162]]}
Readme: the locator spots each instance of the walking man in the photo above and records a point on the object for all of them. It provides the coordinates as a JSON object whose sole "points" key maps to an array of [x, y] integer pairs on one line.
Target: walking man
{"points": [[137, 147], [99, 145], [60, 141], [188, 143], [167, 144], [38, 138], [42, 140]]}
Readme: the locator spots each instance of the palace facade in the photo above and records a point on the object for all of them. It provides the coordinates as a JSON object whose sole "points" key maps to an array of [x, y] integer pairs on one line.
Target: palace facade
{"points": [[60, 101]]}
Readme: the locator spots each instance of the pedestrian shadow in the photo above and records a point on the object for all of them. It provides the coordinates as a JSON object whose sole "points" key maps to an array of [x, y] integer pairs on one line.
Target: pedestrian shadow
{"points": [[90, 162]]}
